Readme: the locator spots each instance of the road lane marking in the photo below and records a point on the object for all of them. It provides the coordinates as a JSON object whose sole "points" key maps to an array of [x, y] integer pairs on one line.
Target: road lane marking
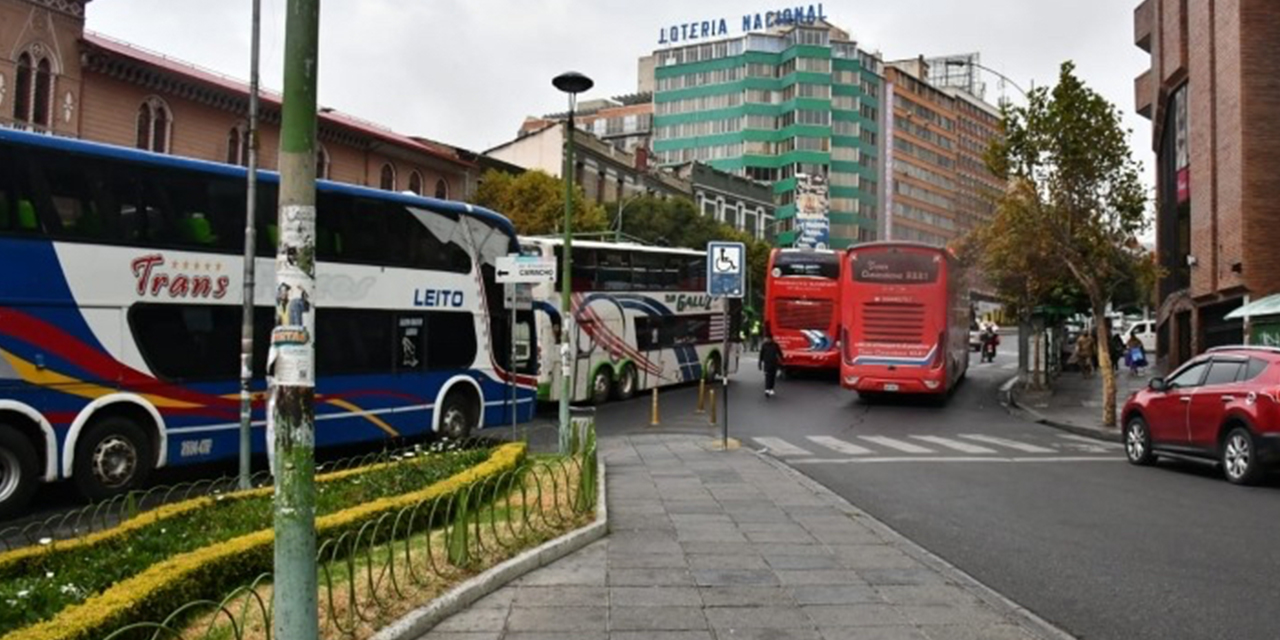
{"points": [[780, 447], [905, 447], [946, 459], [836, 444], [1011, 444], [1093, 441], [962, 447]]}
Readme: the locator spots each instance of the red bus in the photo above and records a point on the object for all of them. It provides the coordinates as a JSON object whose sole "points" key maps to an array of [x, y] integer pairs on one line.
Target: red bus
{"points": [[802, 307], [906, 319]]}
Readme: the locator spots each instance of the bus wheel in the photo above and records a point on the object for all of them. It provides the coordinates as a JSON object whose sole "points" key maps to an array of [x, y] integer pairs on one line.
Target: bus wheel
{"points": [[601, 386], [626, 387], [712, 370], [113, 457], [456, 417], [17, 471]]}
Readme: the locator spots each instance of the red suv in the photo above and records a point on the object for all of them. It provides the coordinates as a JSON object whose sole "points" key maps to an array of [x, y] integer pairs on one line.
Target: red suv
{"points": [[1223, 405]]}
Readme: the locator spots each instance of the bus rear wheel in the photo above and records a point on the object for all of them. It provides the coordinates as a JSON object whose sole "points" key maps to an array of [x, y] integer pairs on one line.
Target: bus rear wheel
{"points": [[456, 416], [18, 472], [712, 369], [113, 456], [601, 386], [626, 386]]}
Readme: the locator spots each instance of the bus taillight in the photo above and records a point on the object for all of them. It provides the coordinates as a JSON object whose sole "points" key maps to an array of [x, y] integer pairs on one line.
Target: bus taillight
{"points": [[939, 352]]}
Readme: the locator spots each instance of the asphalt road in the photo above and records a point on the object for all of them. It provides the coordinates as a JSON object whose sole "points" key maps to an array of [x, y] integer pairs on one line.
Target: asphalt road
{"points": [[1059, 524]]}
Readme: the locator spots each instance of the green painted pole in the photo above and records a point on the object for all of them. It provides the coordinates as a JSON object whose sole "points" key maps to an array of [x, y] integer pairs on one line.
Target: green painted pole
{"points": [[292, 410], [566, 286]]}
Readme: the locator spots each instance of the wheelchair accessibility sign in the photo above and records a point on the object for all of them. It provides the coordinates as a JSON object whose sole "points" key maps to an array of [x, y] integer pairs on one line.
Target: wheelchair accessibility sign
{"points": [[726, 269]]}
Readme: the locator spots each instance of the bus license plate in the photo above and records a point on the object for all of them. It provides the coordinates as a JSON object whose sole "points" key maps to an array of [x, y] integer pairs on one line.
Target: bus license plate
{"points": [[891, 387]]}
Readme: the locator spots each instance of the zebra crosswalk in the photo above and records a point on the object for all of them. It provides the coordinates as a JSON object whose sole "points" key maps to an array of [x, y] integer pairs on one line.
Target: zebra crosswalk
{"points": [[968, 447]]}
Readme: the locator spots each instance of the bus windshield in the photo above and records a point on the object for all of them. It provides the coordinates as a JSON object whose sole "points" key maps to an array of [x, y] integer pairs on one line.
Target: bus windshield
{"points": [[814, 265]]}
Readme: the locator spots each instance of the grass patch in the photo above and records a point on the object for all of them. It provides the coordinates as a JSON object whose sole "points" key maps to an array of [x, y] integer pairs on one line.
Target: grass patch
{"points": [[43, 584]]}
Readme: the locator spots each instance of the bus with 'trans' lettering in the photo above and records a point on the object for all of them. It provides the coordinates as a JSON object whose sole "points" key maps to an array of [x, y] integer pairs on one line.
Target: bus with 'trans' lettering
{"points": [[906, 320], [120, 315]]}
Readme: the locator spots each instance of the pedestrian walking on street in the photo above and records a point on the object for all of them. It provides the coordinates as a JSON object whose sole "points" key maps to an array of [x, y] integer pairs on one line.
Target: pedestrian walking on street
{"points": [[1135, 356], [770, 359], [1117, 351], [1084, 354]]}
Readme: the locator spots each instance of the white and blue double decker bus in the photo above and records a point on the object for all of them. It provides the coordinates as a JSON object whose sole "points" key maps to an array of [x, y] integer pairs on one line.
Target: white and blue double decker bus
{"points": [[120, 315], [641, 319]]}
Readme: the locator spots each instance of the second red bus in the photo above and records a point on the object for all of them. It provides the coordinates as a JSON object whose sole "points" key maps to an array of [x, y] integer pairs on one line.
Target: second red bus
{"points": [[905, 310]]}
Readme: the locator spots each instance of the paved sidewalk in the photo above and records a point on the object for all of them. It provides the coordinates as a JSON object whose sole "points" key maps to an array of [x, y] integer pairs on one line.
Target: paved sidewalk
{"points": [[1075, 403], [708, 545]]}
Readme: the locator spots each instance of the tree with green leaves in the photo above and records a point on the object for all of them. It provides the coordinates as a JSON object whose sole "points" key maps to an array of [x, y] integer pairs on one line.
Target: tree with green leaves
{"points": [[1076, 204], [534, 201]]}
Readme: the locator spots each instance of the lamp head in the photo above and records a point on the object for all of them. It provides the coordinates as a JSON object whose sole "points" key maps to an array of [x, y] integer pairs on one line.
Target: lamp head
{"points": [[572, 82]]}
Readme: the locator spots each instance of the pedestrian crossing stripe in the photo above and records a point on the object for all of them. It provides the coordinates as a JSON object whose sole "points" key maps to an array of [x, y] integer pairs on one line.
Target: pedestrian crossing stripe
{"points": [[940, 446], [962, 447], [899, 445]]}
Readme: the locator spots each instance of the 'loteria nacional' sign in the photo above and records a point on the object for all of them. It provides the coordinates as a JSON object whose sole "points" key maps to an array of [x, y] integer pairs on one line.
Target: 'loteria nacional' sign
{"points": [[716, 28]]}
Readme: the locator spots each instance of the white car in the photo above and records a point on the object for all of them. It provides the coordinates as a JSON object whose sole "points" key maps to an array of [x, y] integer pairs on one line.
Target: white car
{"points": [[1145, 331]]}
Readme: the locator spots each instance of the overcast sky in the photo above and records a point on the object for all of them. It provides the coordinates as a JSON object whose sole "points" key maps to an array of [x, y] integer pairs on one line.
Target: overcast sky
{"points": [[467, 72]]}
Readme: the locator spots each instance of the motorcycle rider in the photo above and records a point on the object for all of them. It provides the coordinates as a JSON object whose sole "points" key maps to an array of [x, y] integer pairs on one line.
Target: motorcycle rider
{"points": [[990, 340]]}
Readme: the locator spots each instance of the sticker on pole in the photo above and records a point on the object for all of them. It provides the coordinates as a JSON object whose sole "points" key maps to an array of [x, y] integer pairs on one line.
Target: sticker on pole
{"points": [[726, 269]]}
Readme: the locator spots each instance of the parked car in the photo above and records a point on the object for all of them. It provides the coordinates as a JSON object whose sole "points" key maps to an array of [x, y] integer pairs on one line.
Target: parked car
{"points": [[1223, 406], [1145, 330]]}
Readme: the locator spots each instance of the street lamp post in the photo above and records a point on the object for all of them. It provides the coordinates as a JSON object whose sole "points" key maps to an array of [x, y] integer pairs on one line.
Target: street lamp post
{"points": [[976, 65], [622, 206], [572, 83]]}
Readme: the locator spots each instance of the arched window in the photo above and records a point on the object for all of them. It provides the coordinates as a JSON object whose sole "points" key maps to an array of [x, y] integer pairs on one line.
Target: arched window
{"points": [[388, 180], [43, 102], [238, 145], [22, 89], [154, 125], [322, 163], [442, 189], [415, 182]]}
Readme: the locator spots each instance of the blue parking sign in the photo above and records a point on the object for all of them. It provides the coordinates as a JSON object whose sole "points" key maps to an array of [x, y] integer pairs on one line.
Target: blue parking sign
{"points": [[726, 269]]}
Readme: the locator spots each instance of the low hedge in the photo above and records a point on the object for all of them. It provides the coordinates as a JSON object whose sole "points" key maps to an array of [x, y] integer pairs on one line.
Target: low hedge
{"points": [[217, 569], [41, 577]]}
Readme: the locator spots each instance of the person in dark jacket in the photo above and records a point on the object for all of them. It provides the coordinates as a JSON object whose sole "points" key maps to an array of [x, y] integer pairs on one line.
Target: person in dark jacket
{"points": [[770, 359]]}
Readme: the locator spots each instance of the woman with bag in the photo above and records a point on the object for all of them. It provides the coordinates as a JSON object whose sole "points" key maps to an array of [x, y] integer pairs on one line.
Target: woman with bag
{"points": [[1135, 356]]}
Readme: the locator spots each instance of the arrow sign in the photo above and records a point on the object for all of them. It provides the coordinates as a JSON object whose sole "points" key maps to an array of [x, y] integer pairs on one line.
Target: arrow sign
{"points": [[525, 269]]}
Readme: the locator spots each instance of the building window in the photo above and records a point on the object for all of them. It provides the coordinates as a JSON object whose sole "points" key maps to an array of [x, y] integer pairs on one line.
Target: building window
{"points": [[322, 163], [33, 90], [442, 189], [415, 183], [238, 145], [388, 179], [155, 124]]}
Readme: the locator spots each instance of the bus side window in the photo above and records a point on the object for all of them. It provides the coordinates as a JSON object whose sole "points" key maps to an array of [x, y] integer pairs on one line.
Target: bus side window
{"points": [[585, 270], [614, 270], [63, 198]]}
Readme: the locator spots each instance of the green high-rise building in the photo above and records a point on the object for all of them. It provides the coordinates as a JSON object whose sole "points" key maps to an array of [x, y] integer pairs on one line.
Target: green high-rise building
{"points": [[798, 100]]}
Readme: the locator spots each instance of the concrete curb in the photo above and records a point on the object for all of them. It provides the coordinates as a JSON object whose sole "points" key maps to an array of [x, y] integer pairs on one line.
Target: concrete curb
{"points": [[1009, 398], [1024, 617], [418, 623]]}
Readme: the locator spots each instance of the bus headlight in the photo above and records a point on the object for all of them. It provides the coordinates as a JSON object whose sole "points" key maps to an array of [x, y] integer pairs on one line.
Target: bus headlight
{"points": [[851, 380]]}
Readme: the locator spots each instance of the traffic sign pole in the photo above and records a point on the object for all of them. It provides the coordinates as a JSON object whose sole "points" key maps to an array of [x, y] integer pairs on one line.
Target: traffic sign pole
{"points": [[726, 278]]}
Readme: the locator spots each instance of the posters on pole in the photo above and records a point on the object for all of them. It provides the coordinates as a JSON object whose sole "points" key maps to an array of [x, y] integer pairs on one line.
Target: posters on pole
{"points": [[813, 221]]}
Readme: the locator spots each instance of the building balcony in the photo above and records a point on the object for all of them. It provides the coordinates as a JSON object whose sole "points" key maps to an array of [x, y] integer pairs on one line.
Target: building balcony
{"points": [[1144, 20], [1144, 93]]}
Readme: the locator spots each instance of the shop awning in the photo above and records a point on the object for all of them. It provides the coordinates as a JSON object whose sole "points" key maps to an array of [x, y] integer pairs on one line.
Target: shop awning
{"points": [[1268, 306]]}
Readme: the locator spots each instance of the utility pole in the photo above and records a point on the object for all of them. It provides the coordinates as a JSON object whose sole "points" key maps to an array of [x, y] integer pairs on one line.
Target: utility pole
{"points": [[292, 407], [250, 248]]}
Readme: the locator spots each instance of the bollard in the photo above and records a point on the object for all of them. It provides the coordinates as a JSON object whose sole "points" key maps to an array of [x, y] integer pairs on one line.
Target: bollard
{"points": [[711, 396], [653, 419], [702, 395]]}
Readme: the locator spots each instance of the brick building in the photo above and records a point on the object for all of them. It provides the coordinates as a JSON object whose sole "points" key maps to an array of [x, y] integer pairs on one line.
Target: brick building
{"points": [[58, 77], [937, 185], [1215, 113], [626, 122]]}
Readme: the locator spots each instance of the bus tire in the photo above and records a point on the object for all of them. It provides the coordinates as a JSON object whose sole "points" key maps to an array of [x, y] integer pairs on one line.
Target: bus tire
{"points": [[712, 369], [113, 456], [18, 472], [601, 385], [625, 388], [457, 416]]}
